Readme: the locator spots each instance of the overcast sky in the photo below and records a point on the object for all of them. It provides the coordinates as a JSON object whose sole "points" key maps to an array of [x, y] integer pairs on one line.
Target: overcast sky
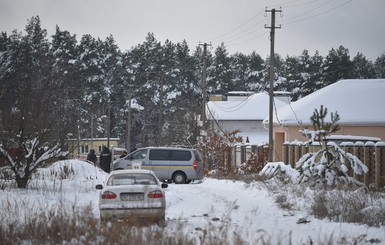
{"points": [[305, 24]]}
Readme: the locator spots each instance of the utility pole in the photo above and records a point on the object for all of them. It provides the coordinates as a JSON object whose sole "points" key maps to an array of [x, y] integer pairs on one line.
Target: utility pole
{"points": [[271, 76], [108, 124], [204, 75], [128, 140]]}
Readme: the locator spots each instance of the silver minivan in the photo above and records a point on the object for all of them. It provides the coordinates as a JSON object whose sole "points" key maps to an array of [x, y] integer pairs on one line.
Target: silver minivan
{"points": [[179, 165]]}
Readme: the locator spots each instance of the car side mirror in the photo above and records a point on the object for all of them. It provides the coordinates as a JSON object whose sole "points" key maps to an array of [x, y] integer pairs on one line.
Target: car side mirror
{"points": [[99, 187], [164, 185]]}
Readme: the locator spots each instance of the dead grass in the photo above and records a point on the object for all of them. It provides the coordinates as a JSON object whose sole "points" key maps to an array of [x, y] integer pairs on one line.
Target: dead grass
{"points": [[348, 206]]}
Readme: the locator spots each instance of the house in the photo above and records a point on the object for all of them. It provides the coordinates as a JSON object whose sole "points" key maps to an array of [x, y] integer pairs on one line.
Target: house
{"points": [[360, 104], [79, 148], [243, 111]]}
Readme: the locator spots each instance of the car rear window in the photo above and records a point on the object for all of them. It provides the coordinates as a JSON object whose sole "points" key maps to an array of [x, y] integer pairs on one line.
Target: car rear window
{"points": [[132, 179], [180, 155]]}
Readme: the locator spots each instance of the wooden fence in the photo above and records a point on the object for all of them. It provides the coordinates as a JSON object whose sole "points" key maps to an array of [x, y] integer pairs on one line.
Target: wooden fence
{"points": [[371, 154]]}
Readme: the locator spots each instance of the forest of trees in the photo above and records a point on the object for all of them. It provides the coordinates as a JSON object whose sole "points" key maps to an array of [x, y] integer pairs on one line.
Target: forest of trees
{"points": [[61, 87]]}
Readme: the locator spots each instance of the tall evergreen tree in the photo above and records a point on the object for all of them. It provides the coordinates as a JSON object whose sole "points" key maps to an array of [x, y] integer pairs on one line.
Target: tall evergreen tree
{"points": [[316, 72], [292, 71], [241, 70], [90, 82], [379, 66], [257, 75], [222, 81], [337, 66], [362, 67], [63, 51]]}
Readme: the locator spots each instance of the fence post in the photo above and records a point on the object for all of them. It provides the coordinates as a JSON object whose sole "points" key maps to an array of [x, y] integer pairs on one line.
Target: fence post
{"points": [[369, 162], [243, 154], [304, 148], [297, 151], [285, 152], [291, 155], [379, 170], [358, 150]]}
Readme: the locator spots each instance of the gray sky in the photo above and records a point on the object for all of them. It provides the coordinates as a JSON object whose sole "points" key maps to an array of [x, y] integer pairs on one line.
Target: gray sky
{"points": [[305, 24]]}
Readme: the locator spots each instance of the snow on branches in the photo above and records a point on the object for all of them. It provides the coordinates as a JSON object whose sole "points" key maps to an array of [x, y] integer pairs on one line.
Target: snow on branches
{"points": [[330, 165]]}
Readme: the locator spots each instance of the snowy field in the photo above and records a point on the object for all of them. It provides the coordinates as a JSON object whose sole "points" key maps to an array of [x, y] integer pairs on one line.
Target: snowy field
{"points": [[249, 211]]}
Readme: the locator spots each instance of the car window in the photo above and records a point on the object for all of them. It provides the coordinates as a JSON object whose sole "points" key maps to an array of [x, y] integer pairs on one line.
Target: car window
{"points": [[178, 155], [132, 179], [140, 154], [156, 154]]}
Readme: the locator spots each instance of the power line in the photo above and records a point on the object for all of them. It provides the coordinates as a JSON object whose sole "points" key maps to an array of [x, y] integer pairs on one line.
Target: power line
{"points": [[315, 15], [220, 37]]}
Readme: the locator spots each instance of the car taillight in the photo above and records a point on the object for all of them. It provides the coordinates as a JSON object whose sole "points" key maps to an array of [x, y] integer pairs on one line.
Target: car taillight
{"points": [[155, 194], [195, 164], [108, 195]]}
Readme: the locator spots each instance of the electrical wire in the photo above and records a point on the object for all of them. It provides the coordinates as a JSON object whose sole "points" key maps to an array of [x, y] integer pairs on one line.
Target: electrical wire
{"points": [[315, 15], [217, 123], [220, 37], [235, 107]]}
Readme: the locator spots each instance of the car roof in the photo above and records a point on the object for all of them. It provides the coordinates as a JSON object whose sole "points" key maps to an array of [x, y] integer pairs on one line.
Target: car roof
{"points": [[135, 171], [166, 148]]}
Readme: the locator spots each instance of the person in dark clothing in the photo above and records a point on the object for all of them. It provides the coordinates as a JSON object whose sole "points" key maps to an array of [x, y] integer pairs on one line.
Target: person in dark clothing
{"points": [[124, 154], [92, 156], [105, 159]]}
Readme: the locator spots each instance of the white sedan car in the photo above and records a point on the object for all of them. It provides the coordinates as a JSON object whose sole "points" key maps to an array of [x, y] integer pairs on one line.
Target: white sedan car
{"points": [[133, 195]]}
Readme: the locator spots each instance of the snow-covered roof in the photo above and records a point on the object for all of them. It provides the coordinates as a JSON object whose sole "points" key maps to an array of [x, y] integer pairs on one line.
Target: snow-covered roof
{"points": [[357, 101], [253, 107]]}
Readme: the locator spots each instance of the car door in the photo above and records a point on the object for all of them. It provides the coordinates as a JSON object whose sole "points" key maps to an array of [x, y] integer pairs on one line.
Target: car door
{"points": [[138, 157], [159, 160]]}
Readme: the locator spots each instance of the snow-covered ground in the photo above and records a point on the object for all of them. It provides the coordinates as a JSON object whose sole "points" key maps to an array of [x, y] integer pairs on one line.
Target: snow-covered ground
{"points": [[247, 210]]}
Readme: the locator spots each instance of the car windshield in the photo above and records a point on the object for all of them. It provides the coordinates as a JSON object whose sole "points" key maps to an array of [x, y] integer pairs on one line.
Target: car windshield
{"points": [[132, 179]]}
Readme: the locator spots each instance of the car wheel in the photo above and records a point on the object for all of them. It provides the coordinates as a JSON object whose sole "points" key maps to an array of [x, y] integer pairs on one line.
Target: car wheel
{"points": [[179, 178]]}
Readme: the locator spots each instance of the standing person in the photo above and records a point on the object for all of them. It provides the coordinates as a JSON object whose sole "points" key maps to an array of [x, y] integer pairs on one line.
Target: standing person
{"points": [[105, 159], [124, 154], [92, 156]]}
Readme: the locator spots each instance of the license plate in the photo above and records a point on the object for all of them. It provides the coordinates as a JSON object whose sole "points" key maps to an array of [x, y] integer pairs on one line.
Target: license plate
{"points": [[131, 196]]}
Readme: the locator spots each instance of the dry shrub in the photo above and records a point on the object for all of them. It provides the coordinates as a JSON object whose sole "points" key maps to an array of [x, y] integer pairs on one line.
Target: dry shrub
{"points": [[349, 206]]}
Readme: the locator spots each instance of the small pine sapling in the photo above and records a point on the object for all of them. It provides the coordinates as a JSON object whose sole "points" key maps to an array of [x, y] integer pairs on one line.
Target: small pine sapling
{"points": [[330, 164]]}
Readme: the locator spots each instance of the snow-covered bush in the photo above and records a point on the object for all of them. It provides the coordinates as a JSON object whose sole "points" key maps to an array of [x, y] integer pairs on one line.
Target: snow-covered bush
{"points": [[330, 166], [327, 166]]}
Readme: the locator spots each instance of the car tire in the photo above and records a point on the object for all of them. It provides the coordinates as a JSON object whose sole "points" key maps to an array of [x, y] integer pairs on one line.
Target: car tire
{"points": [[179, 178]]}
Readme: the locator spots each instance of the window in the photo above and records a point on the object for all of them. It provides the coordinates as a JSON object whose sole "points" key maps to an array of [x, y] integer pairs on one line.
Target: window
{"points": [[132, 179], [159, 154], [140, 154], [181, 155], [84, 149]]}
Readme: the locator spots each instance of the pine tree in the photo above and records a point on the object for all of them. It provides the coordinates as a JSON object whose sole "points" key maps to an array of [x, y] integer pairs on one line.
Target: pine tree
{"points": [[337, 66], [362, 68], [379, 66], [222, 81], [329, 165], [63, 51], [255, 81]]}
